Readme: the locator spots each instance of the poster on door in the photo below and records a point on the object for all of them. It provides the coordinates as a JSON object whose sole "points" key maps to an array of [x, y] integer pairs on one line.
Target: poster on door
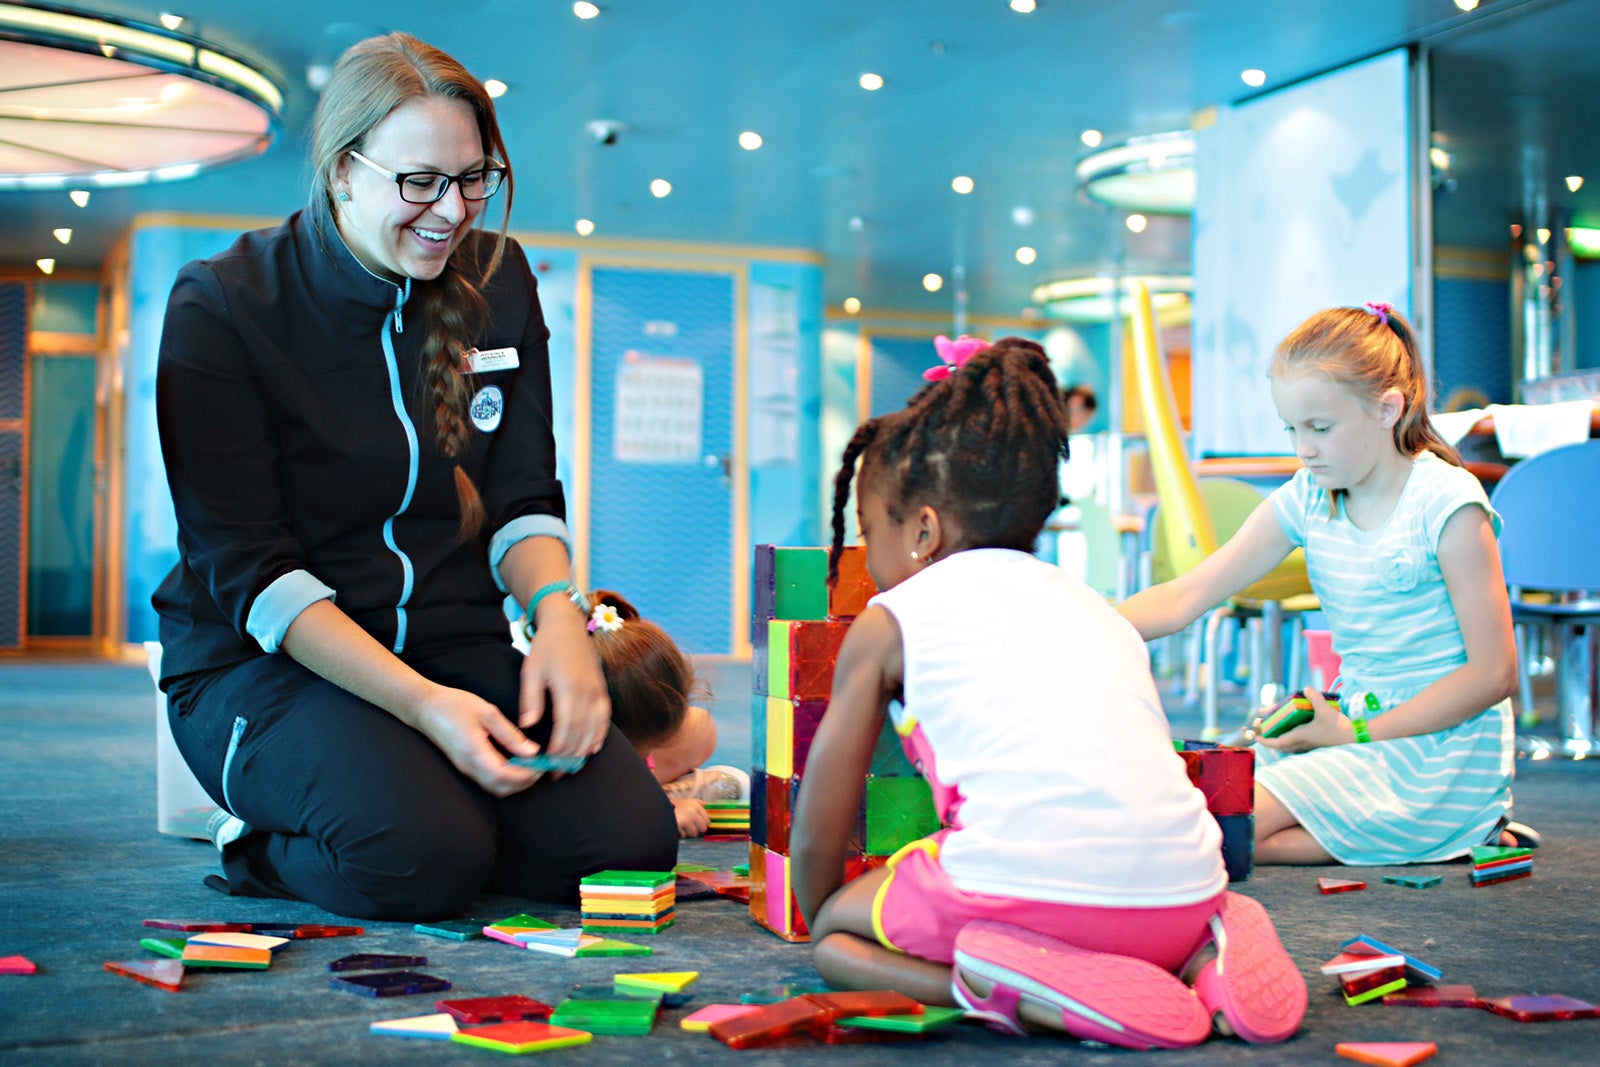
{"points": [[659, 405]]}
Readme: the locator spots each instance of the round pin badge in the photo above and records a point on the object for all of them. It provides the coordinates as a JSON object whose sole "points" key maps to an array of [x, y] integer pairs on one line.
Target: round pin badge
{"points": [[487, 407]]}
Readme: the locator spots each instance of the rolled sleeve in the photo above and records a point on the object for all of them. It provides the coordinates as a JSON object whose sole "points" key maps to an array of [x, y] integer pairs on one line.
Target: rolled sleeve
{"points": [[280, 604], [520, 529]]}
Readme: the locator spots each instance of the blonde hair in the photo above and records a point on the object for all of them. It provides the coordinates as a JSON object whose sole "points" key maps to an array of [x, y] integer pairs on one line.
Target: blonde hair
{"points": [[373, 78], [1370, 350]]}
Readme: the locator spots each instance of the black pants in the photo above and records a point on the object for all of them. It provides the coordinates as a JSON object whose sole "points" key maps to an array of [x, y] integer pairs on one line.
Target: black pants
{"points": [[363, 816]]}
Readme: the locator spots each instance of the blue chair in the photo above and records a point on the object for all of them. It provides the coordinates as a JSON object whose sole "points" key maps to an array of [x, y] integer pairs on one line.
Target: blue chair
{"points": [[1551, 507]]}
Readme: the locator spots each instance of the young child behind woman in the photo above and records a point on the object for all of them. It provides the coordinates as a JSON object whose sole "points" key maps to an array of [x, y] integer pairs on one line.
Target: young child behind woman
{"points": [[1399, 544], [1077, 874], [650, 682]]}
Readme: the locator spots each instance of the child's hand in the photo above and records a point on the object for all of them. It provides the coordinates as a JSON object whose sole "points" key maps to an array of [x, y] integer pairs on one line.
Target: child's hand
{"points": [[1327, 727], [693, 820]]}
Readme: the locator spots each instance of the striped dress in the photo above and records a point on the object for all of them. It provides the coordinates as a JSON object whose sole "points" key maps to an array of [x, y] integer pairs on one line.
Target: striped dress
{"points": [[1413, 799]]}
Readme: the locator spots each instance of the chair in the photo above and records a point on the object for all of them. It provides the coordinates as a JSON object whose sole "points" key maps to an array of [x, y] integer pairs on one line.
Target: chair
{"points": [[1551, 512], [1189, 527]]}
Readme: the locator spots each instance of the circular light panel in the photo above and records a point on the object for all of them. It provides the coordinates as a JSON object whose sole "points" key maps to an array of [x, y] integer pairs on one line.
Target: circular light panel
{"points": [[1152, 174]]}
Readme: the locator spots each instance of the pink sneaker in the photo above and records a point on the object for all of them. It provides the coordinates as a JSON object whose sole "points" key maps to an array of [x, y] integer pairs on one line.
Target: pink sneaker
{"points": [[1117, 1000], [1253, 982]]}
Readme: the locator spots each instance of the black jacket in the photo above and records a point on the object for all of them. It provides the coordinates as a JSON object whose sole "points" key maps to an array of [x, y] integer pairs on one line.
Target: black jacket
{"points": [[297, 438]]}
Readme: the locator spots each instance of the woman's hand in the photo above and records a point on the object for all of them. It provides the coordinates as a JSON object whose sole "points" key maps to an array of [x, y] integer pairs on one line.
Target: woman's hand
{"points": [[466, 728], [693, 820], [561, 661], [1327, 727]]}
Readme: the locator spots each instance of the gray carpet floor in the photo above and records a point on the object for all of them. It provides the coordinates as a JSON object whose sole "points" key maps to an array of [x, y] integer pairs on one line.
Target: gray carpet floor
{"points": [[81, 866]]}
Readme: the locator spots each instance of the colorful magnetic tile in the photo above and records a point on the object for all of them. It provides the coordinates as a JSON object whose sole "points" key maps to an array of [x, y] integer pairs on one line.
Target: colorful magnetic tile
{"points": [[454, 931], [930, 1018], [514, 923], [692, 868], [700, 1021], [601, 991], [550, 761], [1417, 972], [17, 965], [771, 1024], [1531, 1008], [163, 974], [1361, 963], [1353, 984], [607, 947], [1498, 853], [848, 595], [1495, 870], [1377, 992], [234, 939], [866, 1002], [647, 882], [1291, 714], [798, 586], [226, 956], [773, 994], [1496, 865], [1432, 996], [1238, 845], [195, 925], [570, 937], [630, 1017], [438, 1026], [306, 931], [170, 947], [1338, 885], [660, 982], [521, 1038], [372, 961], [389, 983], [1414, 881], [1476, 882], [1225, 776], [505, 1009], [494, 933], [1386, 1053], [631, 929]]}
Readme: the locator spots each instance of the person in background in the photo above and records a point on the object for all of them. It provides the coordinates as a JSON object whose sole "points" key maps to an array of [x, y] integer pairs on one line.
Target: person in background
{"points": [[355, 418]]}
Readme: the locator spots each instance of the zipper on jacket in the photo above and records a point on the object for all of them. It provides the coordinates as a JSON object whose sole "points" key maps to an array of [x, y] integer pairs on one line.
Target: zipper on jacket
{"points": [[240, 724]]}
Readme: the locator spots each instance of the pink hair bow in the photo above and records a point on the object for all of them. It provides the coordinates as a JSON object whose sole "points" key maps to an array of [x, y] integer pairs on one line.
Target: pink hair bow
{"points": [[953, 354]]}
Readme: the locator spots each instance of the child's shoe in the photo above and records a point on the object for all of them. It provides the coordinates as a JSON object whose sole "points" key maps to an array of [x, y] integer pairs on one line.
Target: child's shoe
{"points": [[717, 782], [1117, 1000], [1252, 980]]}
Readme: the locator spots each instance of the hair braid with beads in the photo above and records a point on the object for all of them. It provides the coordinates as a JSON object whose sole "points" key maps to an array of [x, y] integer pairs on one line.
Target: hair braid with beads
{"points": [[984, 444]]}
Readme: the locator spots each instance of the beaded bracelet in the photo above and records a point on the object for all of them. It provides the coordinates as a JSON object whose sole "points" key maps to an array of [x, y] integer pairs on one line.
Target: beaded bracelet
{"points": [[565, 585], [1358, 723]]}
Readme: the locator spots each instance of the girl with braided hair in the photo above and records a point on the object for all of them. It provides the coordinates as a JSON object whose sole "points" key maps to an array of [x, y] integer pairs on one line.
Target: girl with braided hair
{"points": [[355, 416], [1077, 871]]}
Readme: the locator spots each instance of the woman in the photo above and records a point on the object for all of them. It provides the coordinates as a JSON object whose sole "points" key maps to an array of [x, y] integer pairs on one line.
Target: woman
{"points": [[355, 418]]}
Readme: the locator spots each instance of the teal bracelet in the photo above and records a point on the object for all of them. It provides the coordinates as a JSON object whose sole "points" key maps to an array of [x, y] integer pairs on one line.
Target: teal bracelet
{"points": [[565, 585]]}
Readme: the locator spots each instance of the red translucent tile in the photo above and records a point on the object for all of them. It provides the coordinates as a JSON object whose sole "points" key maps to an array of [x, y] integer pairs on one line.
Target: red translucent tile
{"points": [[1355, 984], [506, 1009], [772, 1024], [849, 1003], [1536, 1008], [1339, 885], [1434, 996], [163, 974]]}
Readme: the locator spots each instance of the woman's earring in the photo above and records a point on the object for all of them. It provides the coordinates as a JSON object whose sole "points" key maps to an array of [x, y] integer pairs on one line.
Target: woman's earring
{"points": [[914, 556], [343, 197]]}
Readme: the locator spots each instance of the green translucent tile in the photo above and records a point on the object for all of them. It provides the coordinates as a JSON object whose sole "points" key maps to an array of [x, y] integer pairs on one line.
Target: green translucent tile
{"points": [[742, 871], [1496, 853], [692, 868], [888, 757], [800, 578], [522, 921], [170, 947], [601, 927], [899, 811], [649, 879], [1414, 881], [932, 1018], [607, 947], [455, 931], [1376, 992], [778, 659], [631, 1017]]}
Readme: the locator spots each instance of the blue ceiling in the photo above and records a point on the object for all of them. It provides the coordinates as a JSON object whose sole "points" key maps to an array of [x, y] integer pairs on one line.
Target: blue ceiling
{"points": [[971, 88]]}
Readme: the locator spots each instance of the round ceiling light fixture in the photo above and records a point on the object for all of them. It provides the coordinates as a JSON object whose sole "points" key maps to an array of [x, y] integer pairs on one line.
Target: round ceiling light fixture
{"points": [[92, 101], [1153, 173], [1088, 298]]}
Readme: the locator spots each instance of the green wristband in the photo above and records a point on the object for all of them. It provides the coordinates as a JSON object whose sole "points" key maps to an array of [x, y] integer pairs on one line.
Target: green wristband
{"points": [[565, 585], [1360, 727]]}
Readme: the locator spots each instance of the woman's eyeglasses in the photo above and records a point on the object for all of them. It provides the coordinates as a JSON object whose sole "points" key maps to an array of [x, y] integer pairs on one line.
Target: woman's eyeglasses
{"points": [[427, 187]]}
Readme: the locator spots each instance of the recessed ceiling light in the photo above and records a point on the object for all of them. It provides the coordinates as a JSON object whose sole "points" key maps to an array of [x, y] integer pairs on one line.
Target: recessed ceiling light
{"points": [[80, 197], [660, 188], [857, 223], [1026, 255], [495, 88], [1543, 233], [585, 10], [46, 265], [1438, 158], [1574, 182], [584, 227], [171, 22], [932, 282], [1023, 7], [851, 305], [64, 235], [871, 82], [1022, 215], [1136, 223], [1253, 77], [961, 184], [1092, 138], [1466, 5], [750, 140]]}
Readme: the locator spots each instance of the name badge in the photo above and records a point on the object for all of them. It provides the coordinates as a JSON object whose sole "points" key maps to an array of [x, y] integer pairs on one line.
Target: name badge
{"points": [[492, 360]]}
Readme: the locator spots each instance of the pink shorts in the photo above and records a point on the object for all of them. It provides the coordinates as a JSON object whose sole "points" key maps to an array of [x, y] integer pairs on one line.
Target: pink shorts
{"points": [[918, 911]]}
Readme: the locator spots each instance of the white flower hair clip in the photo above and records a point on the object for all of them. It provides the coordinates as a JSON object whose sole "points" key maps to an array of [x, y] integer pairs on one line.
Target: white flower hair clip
{"points": [[605, 617]]}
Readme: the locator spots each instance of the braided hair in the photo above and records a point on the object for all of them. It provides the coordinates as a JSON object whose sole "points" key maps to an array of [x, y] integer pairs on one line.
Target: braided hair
{"points": [[984, 444]]}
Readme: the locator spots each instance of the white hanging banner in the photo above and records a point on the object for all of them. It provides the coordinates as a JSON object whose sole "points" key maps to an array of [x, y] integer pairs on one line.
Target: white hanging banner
{"points": [[660, 404]]}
